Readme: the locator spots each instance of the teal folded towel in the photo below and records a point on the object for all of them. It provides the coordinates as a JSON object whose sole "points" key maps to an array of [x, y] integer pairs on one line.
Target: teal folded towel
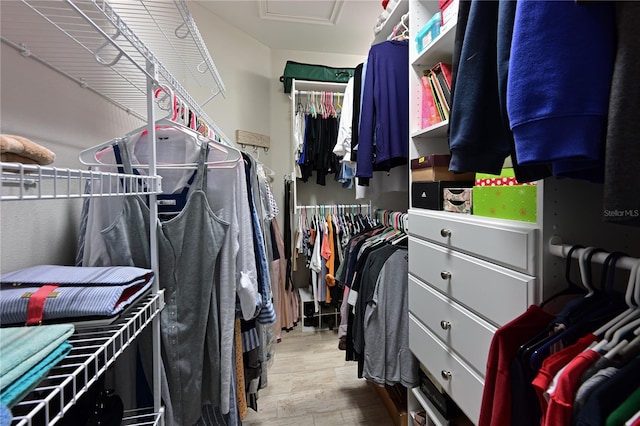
{"points": [[5, 416], [24, 348], [29, 381]]}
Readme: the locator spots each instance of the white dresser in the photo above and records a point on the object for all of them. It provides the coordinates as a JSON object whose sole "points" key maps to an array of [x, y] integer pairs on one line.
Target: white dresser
{"points": [[467, 276]]}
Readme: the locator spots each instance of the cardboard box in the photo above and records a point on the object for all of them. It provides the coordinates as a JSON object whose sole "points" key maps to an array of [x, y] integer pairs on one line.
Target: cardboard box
{"points": [[429, 195], [434, 174], [433, 168], [518, 202]]}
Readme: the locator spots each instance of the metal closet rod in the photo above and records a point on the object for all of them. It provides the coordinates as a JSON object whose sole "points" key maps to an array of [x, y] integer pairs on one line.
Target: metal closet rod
{"points": [[557, 248], [315, 92], [350, 206]]}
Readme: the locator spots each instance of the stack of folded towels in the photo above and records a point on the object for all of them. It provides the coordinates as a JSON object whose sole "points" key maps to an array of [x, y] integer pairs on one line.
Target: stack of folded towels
{"points": [[27, 354]]}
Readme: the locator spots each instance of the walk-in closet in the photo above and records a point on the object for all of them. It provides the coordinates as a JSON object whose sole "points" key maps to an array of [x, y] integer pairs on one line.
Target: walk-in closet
{"points": [[341, 212]]}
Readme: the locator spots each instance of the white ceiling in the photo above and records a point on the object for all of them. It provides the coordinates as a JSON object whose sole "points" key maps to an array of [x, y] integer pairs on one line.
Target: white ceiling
{"points": [[332, 26]]}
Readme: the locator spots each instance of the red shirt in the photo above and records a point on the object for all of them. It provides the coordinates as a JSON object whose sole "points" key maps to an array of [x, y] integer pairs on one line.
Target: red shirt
{"points": [[552, 364], [560, 409], [495, 409]]}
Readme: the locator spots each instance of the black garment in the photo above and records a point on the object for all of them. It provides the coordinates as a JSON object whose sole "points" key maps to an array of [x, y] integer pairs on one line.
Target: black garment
{"points": [[321, 135], [288, 285], [461, 28], [525, 407], [374, 264], [355, 121], [274, 242], [622, 148]]}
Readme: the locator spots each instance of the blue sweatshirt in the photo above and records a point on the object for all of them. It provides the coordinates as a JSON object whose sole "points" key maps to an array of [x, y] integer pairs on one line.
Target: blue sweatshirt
{"points": [[559, 82], [383, 140]]}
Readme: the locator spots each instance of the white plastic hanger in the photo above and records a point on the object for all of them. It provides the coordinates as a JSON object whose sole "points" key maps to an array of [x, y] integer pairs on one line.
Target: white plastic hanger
{"points": [[95, 155], [613, 336], [585, 275], [610, 327]]}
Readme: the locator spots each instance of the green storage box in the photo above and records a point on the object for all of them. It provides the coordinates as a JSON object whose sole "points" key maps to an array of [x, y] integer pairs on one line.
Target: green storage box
{"points": [[506, 202], [313, 72]]}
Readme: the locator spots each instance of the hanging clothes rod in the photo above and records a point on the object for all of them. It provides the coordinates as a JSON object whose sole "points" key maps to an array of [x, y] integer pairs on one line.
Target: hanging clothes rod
{"points": [[330, 206], [317, 92], [557, 248]]}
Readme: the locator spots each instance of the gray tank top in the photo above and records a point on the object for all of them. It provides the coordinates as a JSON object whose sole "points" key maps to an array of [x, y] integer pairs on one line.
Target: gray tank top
{"points": [[188, 248]]}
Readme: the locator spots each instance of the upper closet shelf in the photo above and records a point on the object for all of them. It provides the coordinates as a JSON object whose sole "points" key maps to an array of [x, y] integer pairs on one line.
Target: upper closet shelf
{"points": [[111, 47], [388, 18], [439, 50]]}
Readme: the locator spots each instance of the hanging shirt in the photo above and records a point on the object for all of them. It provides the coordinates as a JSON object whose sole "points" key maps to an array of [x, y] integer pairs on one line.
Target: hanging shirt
{"points": [[384, 121]]}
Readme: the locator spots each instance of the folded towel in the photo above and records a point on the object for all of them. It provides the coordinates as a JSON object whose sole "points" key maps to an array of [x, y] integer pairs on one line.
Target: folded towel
{"points": [[24, 347], [26, 356], [5, 416], [18, 149], [29, 381]]}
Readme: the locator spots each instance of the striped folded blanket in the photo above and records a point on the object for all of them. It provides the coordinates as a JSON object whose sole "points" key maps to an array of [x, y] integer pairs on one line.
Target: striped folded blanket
{"points": [[69, 292]]}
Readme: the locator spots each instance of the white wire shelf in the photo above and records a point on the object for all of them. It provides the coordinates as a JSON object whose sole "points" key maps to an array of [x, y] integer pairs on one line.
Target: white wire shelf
{"points": [[142, 417], [94, 350], [111, 48], [32, 182]]}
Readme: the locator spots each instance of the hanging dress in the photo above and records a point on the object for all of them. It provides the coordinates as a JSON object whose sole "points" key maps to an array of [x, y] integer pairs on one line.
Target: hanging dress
{"points": [[188, 247]]}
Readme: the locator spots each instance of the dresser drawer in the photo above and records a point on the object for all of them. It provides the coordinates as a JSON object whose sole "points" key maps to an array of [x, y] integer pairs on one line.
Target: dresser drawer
{"points": [[495, 293], [513, 246], [462, 331], [458, 380]]}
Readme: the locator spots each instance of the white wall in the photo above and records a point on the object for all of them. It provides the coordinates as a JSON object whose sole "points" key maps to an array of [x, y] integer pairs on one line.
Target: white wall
{"points": [[245, 67], [57, 113]]}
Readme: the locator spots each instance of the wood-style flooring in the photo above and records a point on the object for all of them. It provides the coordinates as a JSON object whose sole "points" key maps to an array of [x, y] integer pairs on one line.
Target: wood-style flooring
{"points": [[311, 384]]}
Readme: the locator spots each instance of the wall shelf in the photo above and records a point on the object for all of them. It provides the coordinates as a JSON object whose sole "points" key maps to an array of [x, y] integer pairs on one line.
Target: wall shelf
{"points": [[94, 351], [31, 182]]}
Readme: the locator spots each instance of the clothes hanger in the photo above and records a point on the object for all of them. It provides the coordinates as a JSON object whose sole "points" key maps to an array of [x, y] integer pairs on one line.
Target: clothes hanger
{"points": [[527, 349], [615, 333], [578, 326], [99, 155], [609, 328], [572, 287]]}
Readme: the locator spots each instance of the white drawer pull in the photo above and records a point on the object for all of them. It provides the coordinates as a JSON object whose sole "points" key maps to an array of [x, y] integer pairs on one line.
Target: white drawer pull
{"points": [[445, 232], [445, 325], [446, 374], [445, 275]]}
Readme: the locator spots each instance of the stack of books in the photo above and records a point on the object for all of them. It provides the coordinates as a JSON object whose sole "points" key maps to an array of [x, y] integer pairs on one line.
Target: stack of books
{"points": [[436, 94]]}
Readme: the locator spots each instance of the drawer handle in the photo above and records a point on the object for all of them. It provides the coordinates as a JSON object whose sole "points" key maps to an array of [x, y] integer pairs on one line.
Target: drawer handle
{"points": [[445, 275], [446, 375], [445, 325], [445, 232]]}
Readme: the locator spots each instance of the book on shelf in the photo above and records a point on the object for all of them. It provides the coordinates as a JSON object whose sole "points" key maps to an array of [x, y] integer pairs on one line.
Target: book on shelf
{"points": [[442, 71], [438, 96], [429, 113]]}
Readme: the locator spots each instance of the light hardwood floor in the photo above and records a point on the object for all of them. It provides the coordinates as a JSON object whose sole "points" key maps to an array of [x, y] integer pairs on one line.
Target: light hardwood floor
{"points": [[311, 384]]}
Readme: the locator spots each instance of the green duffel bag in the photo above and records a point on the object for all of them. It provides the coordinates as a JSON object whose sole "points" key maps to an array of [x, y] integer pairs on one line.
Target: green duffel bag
{"points": [[311, 72]]}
